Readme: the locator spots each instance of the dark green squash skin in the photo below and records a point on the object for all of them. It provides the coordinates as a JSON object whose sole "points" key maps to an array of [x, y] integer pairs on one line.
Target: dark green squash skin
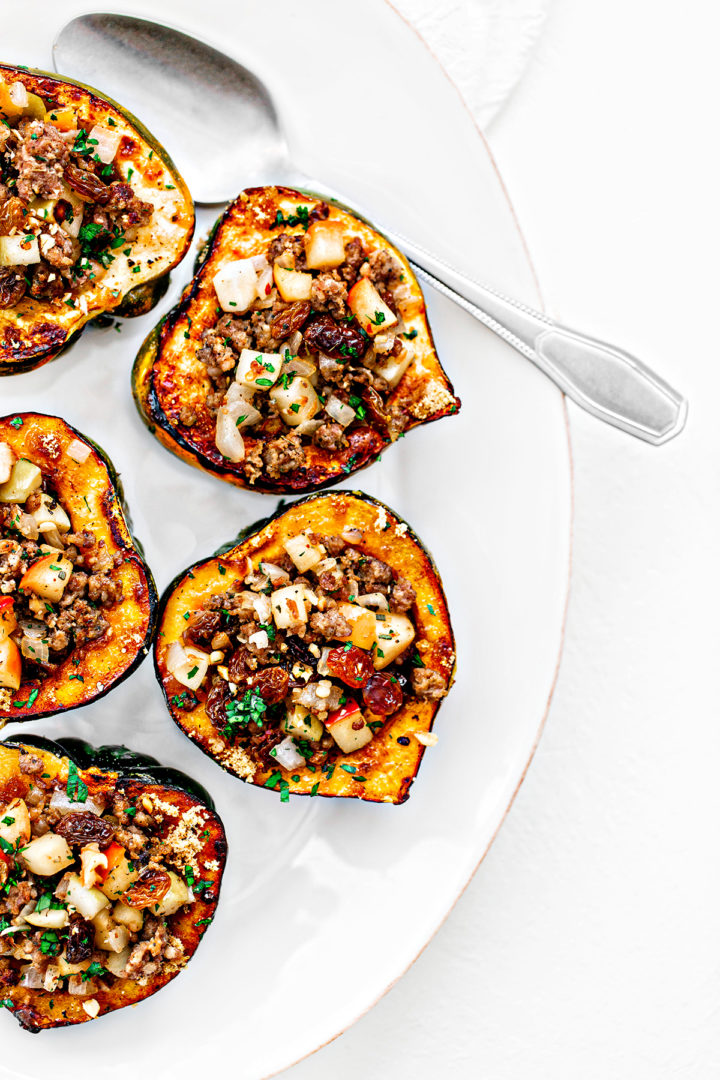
{"points": [[128, 764], [22, 715], [130, 769], [137, 301]]}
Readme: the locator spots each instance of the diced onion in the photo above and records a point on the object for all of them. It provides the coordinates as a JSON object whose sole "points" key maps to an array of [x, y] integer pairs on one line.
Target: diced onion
{"points": [[79, 987], [322, 668], [374, 600], [228, 439], [181, 662], [78, 451], [264, 284], [339, 411], [294, 364], [61, 801], [275, 573], [18, 95], [286, 754], [27, 525], [263, 607], [108, 142], [259, 639], [34, 648], [259, 262], [294, 342], [352, 535], [308, 427], [32, 978]]}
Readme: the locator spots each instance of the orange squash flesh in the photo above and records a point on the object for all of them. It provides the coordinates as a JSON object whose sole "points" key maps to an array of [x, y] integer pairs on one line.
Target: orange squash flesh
{"points": [[91, 494], [169, 380], [389, 763]]}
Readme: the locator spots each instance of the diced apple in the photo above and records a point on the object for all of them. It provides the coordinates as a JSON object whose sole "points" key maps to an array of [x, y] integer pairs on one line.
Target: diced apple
{"points": [[292, 284], [107, 142], [47, 577], [324, 245], [236, 285], [87, 901], [128, 916], [258, 370], [296, 402], [50, 513], [348, 728], [21, 250], [362, 623], [369, 308], [393, 368], [303, 552], [47, 855], [15, 823], [24, 479], [393, 634], [177, 895], [62, 119], [109, 936], [289, 606], [303, 724], [8, 458], [121, 874], [10, 665]]}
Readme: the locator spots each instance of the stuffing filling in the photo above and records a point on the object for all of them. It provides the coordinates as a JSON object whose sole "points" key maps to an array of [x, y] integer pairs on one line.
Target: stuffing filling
{"points": [[305, 660], [309, 345], [56, 585], [88, 882], [64, 206]]}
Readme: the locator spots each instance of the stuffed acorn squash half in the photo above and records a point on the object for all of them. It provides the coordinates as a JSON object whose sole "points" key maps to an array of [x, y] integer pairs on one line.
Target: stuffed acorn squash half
{"points": [[93, 214], [77, 602], [300, 349], [312, 655], [110, 869]]}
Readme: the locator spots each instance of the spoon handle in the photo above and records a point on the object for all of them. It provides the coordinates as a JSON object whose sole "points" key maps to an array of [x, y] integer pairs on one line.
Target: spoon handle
{"points": [[606, 381]]}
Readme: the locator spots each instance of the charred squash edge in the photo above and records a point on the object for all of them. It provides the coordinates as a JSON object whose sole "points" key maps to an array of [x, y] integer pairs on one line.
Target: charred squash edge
{"points": [[146, 398], [142, 298], [117, 518], [341, 783], [137, 773]]}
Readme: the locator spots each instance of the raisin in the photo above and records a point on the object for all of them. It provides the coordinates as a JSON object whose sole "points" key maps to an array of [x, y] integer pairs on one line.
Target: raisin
{"points": [[216, 704], [271, 684], [12, 287], [238, 666], [323, 334], [382, 694], [85, 828], [291, 319], [149, 889], [80, 940], [88, 186], [203, 626], [353, 666]]}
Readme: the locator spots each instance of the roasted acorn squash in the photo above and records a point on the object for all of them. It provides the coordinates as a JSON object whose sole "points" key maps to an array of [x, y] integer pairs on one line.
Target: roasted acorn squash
{"points": [[186, 835], [390, 741], [90, 491], [129, 275], [336, 327]]}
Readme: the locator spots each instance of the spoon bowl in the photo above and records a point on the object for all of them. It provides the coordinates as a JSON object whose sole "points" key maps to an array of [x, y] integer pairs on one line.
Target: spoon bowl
{"points": [[184, 85]]}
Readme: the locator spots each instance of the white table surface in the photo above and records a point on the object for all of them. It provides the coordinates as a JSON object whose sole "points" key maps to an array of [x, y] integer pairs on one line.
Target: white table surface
{"points": [[588, 944]]}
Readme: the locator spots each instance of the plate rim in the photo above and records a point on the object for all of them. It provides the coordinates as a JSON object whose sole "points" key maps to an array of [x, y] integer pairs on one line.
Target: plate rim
{"points": [[563, 626]]}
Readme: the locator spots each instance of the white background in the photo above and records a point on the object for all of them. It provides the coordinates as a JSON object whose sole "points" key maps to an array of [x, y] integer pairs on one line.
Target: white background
{"points": [[588, 943]]}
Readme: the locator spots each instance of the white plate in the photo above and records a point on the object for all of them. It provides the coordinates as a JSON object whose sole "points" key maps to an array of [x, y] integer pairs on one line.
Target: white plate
{"points": [[326, 903]]}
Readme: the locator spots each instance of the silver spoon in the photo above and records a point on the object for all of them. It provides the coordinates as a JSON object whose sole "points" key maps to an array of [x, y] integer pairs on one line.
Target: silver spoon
{"points": [[187, 90]]}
